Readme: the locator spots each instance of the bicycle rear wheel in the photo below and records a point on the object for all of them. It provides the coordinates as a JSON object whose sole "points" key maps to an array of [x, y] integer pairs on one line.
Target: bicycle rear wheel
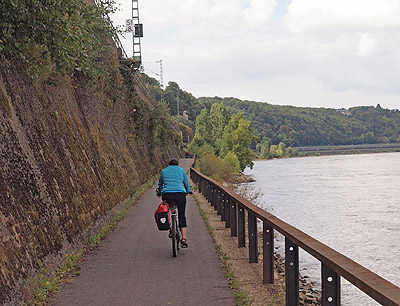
{"points": [[178, 236], [173, 236]]}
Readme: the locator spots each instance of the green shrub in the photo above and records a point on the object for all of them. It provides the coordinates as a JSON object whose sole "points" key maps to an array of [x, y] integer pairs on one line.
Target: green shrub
{"points": [[215, 167], [232, 160]]}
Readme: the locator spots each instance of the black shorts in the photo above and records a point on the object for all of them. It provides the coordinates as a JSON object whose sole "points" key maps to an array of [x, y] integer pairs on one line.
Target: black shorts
{"points": [[179, 198]]}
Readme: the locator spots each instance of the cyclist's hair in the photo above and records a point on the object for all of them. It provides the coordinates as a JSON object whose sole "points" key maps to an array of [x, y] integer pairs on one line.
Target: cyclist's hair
{"points": [[173, 162]]}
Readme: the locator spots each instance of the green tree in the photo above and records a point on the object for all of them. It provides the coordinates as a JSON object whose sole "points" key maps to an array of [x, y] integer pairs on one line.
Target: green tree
{"points": [[274, 151], [264, 148], [175, 96], [203, 130], [281, 149], [218, 119], [171, 96], [237, 137]]}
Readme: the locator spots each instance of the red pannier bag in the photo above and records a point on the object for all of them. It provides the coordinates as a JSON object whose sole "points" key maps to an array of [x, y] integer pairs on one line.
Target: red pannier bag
{"points": [[162, 217]]}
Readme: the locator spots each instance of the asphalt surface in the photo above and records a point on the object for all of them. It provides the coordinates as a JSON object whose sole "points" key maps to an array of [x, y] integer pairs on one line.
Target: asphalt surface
{"points": [[134, 264]]}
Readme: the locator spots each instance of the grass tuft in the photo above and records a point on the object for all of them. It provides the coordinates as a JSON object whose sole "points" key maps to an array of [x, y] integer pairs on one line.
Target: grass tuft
{"points": [[242, 297]]}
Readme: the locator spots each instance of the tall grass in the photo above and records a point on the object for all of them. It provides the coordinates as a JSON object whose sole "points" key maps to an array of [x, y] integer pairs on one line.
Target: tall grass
{"points": [[214, 167]]}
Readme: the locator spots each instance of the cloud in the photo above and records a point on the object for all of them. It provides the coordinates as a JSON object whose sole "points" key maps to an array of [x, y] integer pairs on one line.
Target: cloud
{"points": [[366, 45], [321, 53], [259, 12], [308, 15]]}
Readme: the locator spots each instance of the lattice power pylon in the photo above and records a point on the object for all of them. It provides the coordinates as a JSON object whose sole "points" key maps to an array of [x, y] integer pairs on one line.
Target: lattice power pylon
{"points": [[137, 33]]}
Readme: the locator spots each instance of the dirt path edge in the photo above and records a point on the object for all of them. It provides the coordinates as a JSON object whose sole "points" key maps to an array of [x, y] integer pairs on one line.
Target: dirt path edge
{"points": [[245, 278]]}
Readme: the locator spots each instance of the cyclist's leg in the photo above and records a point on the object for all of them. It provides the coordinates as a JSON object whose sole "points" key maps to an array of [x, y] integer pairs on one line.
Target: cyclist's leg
{"points": [[181, 204], [179, 198]]}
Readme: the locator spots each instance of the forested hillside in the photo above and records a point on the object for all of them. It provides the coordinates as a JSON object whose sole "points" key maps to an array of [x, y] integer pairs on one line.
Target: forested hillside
{"points": [[297, 126]]}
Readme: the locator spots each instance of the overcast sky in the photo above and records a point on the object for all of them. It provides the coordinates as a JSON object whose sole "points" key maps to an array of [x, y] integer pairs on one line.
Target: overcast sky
{"points": [[317, 53]]}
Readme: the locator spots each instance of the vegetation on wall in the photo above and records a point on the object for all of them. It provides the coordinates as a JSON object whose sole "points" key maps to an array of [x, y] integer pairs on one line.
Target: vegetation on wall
{"points": [[154, 121], [69, 36]]}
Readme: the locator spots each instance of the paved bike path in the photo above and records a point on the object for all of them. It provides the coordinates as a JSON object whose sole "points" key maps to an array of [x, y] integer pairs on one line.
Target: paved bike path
{"points": [[134, 265]]}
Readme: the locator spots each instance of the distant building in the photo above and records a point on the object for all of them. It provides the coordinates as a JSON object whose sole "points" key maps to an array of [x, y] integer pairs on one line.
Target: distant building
{"points": [[344, 111], [185, 115]]}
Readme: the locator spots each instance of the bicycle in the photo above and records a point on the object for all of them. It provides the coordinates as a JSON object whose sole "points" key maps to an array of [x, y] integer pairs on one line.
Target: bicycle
{"points": [[174, 232]]}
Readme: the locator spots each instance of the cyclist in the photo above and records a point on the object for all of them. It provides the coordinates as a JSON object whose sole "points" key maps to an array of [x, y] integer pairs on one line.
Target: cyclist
{"points": [[173, 185]]}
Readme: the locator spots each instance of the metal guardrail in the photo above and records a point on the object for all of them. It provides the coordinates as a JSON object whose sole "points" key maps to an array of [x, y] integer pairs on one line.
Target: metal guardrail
{"points": [[232, 207]]}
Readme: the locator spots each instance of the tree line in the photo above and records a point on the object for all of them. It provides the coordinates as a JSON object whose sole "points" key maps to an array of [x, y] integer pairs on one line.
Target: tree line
{"points": [[282, 127], [306, 126]]}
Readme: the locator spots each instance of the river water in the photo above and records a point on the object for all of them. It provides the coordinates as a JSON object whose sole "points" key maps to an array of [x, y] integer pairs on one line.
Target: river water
{"points": [[349, 202]]}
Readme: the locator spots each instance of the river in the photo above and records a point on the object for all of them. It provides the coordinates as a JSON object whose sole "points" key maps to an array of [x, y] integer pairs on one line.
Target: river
{"points": [[349, 202]]}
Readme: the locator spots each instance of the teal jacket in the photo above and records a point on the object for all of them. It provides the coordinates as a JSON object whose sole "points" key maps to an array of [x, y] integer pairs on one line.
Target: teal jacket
{"points": [[173, 179]]}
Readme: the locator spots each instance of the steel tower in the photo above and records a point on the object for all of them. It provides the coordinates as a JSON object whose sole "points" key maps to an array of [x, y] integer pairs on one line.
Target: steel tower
{"points": [[137, 33]]}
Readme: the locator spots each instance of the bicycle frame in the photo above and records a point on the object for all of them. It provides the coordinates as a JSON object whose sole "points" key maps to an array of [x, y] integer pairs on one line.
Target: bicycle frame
{"points": [[175, 233]]}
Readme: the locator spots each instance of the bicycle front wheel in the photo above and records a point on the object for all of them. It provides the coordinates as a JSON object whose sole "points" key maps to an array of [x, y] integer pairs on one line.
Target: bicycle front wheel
{"points": [[174, 230]]}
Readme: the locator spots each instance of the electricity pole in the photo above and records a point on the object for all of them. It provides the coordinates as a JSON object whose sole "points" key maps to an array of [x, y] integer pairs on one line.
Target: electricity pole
{"points": [[161, 80]]}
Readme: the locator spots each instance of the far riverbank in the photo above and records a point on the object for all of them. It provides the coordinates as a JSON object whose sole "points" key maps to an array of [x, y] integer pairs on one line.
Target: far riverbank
{"points": [[349, 149]]}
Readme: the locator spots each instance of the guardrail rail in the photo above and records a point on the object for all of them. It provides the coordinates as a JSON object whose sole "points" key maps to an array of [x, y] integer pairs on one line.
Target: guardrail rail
{"points": [[232, 208]]}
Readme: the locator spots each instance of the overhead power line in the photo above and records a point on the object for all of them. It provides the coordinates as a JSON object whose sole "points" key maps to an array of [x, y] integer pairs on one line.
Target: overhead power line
{"points": [[157, 74]]}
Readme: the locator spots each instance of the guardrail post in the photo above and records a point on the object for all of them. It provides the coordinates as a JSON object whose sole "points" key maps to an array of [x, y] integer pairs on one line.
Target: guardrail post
{"points": [[330, 287], [227, 211], [200, 184], [217, 197], [233, 218], [223, 207], [207, 190], [268, 254], [213, 195], [241, 227], [219, 204], [291, 273], [253, 243], [210, 193]]}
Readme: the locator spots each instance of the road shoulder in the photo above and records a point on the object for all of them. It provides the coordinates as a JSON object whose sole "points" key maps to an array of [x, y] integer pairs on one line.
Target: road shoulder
{"points": [[248, 277]]}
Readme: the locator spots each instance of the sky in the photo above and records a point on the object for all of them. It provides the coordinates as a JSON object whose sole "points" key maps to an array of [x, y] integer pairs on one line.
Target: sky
{"points": [[310, 53]]}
